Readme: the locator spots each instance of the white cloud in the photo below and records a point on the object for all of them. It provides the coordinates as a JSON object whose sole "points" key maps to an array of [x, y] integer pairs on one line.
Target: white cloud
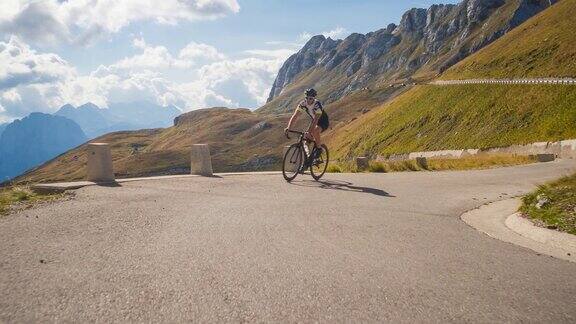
{"points": [[153, 58], [256, 74], [81, 21], [281, 54], [22, 65], [33, 81], [139, 43], [194, 51], [336, 33]]}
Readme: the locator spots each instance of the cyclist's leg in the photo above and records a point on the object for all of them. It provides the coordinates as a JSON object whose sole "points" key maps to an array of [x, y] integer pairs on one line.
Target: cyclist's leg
{"points": [[316, 134]]}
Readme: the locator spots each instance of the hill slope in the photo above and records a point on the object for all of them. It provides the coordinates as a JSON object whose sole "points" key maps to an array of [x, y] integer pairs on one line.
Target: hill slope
{"points": [[542, 47], [468, 116], [239, 140]]}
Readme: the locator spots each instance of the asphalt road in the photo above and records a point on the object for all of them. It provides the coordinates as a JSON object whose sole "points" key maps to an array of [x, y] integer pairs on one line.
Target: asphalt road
{"points": [[366, 247]]}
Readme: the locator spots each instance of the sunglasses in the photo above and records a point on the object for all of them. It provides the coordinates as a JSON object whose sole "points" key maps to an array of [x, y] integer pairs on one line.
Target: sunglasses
{"points": [[309, 98]]}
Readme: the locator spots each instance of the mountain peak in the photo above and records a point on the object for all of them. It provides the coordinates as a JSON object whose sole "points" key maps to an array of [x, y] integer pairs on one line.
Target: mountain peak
{"points": [[88, 105], [413, 20], [66, 107]]}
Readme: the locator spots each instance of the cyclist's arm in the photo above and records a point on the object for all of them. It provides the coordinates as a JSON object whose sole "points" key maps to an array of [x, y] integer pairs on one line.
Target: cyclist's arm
{"points": [[294, 117]]}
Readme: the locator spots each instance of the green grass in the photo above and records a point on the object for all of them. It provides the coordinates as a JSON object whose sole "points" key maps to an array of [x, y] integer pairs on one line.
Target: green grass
{"points": [[429, 118], [541, 47], [21, 194], [334, 168], [466, 163], [559, 212], [480, 162]]}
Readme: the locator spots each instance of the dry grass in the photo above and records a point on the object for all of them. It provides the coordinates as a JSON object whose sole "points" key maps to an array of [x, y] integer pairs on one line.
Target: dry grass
{"points": [[479, 162], [9, 196], [466, 163]]}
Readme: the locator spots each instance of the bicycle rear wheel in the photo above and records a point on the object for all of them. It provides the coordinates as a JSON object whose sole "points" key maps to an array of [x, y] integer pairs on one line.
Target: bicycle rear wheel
{"points": [[292, 162], [320, 163]]}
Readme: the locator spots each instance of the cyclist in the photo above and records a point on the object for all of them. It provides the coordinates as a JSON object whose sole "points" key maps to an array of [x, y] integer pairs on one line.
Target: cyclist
{"points": [[314, 109]]}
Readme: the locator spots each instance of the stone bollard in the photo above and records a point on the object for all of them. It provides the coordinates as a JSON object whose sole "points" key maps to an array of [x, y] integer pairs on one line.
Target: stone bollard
{"points": [[100, 163], [545, 157], [362, 163], [422, 162], [200, 160]]}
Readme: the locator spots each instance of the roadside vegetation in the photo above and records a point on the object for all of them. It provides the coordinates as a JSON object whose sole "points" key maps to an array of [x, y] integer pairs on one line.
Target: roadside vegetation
{"points": [[22, 196], [430, 118], [553, 205], [466, 163]]}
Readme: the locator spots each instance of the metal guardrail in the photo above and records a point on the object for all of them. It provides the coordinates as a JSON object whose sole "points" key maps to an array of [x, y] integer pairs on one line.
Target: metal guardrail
{"points": [[561, 81]]}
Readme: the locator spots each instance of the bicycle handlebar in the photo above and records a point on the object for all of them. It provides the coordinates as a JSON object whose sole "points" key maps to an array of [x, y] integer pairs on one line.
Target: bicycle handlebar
{"points": [[292, 131]]}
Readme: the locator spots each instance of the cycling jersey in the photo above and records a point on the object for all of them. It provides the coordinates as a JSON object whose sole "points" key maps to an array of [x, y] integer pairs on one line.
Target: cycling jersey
{"points": [[314, 109]]}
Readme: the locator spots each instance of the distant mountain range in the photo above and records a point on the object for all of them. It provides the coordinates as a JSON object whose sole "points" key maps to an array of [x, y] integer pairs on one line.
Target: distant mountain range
{"points": [[39, 137], [2, 127], [96, 121], [35, 139]]}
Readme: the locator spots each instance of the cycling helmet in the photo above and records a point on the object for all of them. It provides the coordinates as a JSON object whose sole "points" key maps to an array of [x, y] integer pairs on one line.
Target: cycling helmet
{"points": [[310, 93]]}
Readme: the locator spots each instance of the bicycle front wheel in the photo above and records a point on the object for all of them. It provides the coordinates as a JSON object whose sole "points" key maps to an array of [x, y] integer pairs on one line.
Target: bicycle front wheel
{"points": [[292, 162], [320, 163]]}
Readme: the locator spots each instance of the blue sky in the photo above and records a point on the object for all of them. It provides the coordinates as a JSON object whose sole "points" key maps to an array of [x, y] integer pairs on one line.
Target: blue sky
{"points": [[193, 54]]}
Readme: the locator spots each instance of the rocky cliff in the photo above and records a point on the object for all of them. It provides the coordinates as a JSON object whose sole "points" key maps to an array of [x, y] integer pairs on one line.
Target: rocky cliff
{"points": [[426, 42]]}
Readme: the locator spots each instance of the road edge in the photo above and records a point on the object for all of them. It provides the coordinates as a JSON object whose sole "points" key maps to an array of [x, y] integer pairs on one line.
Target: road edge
{"points": [[501, 221]]}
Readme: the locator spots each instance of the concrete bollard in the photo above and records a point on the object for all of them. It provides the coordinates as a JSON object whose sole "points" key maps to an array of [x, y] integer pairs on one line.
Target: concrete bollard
{"points": [[100, 163], [362, 163], [545, 157], [200, 160], [422, 162]]}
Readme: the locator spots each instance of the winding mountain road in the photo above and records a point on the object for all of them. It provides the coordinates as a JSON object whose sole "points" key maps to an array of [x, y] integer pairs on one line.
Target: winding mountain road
{"points": [[355, 247]]}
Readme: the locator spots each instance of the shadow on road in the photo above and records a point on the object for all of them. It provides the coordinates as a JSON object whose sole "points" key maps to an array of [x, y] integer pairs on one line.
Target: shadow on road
{"points": [[109, 184], [341, 185]]}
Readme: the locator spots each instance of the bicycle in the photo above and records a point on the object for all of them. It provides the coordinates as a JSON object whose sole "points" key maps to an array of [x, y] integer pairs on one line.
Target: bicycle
{"points": [[297, 159]]}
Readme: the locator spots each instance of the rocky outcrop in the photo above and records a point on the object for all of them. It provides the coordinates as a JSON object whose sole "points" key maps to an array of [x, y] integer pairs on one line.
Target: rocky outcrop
{"points": [[35, 139], [435, 38], [315, 51]]}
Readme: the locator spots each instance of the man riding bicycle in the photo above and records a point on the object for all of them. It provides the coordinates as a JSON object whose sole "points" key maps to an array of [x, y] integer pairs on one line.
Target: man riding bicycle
{"points": [[314, 109]]}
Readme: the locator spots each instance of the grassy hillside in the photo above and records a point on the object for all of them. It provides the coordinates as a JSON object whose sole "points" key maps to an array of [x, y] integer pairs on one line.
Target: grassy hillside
{"points": [[465, 116], [544, 46], [475, 116]]}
